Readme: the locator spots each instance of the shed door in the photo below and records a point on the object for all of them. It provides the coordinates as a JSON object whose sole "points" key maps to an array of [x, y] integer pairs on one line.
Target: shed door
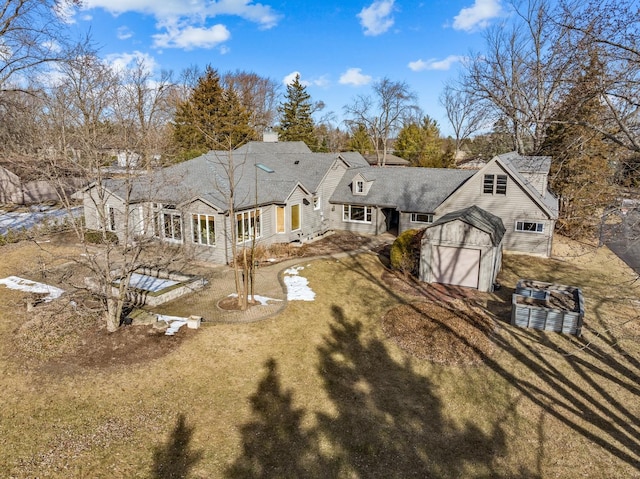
{"points": [[459, 266]]}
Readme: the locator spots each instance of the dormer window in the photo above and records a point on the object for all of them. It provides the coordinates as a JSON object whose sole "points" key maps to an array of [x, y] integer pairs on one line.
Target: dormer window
{"points": [[359, 187]]}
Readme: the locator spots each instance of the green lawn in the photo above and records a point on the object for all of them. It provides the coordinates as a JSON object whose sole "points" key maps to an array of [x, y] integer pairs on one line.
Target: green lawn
{"points": [[319, 391]]}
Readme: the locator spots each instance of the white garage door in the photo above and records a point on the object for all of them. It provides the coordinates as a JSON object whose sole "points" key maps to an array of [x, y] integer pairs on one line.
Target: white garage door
{"points": [[459, 266]]}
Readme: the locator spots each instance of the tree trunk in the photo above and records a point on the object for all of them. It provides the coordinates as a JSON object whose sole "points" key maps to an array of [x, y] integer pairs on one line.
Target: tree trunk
{"points": [[112, 315]]}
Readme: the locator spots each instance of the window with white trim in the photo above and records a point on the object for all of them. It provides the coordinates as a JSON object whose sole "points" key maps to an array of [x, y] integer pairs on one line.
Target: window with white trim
{"points": [[359, 187], [316, 202], [248, 225], [421, 218], [356, 214], [529, 227], [172, 226], [204, 229], [280, 218], [111, 218], [494, 184], [296, 218]]}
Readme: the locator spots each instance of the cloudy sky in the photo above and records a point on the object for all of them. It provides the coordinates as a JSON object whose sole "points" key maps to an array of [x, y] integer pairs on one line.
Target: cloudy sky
{"points": [[339, 47]]}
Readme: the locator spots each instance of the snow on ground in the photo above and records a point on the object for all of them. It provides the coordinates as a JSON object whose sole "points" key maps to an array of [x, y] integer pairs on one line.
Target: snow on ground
{"points": [[263, 300], [14, 282], [150, 283], [297, 286], [174, 322], [37, 214]]}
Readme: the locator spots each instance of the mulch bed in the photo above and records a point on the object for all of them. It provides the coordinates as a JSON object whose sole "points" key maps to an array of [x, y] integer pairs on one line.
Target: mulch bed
{"points": [[454, 333]]}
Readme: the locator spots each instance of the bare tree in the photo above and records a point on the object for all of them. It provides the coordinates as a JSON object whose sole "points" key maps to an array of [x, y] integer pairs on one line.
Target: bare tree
{"points": [[31, 35], [466, 114], [522, 73], [258, 95], [382, 113]]}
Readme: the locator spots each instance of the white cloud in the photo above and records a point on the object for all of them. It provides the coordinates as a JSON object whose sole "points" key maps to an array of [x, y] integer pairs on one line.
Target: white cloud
{"points": [[478, 15], [376, 18], [434, 64], [123, 33], [355, 77], [195, 10], [119, 62], [322, 81], [288, 80], [53, 46], [190, 37]]}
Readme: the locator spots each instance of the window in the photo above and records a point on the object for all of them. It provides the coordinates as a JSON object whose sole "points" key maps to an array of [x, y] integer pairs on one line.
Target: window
{"points": [[248, 225], [529, 226], [358, 214], [280, 219], [295, 217], [421, 218], [172, 226], [316, 202], [204, 229], [495, 184], [111, 218], [359, 186]]}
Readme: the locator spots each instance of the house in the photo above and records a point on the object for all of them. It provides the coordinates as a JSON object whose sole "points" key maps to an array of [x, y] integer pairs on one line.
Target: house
{"points": [[23, 182], [282, 192]]}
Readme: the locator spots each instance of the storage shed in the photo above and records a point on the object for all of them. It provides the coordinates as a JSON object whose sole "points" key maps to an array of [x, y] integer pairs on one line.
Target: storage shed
{"points": [[463, 248]]}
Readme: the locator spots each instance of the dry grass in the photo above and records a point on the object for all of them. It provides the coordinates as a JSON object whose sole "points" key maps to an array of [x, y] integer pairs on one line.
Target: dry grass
{"points": [[319, 391]]}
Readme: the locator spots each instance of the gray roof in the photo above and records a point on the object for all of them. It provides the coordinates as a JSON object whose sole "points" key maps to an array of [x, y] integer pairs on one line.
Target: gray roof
{"points": [[518, 165], [478, 218], [410, 189], [283, 166], [390, 160], [527, 164]]}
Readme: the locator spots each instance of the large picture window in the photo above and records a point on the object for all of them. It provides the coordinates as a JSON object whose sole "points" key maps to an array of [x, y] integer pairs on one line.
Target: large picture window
{"points": [[248, 225], [295, 217], [529, 227], [356, 214], [204, 229]]}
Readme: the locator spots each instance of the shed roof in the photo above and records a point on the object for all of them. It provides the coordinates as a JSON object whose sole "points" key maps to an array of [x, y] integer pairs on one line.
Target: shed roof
{"points": [[478, 218]]}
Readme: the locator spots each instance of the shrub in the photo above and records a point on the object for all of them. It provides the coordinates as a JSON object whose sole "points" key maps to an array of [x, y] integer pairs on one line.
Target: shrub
{"points": [[405, 252], [100, 237]]}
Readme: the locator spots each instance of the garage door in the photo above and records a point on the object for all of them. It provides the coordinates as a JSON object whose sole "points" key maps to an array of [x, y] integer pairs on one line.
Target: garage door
{"points": [[459, 266]]}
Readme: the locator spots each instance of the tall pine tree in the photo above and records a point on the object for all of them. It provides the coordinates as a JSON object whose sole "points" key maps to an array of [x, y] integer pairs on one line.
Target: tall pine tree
{"points": [[581, 168], [296, 123], [212, 118], [422, 145]]}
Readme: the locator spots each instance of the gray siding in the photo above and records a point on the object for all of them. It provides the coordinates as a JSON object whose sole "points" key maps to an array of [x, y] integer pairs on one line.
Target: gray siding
{"points": [[516, 205], [325, 190], [211, 253]]}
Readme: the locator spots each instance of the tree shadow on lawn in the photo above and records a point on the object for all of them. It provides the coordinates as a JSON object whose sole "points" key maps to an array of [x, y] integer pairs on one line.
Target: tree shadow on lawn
{"points": [[388, 421], [175, 459]]}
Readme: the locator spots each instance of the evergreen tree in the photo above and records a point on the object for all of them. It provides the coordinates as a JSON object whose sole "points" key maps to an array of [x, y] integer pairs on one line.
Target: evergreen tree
{"points": [[581, 170], [296, 123], [212, 118], [422, 145], [360, 141]]}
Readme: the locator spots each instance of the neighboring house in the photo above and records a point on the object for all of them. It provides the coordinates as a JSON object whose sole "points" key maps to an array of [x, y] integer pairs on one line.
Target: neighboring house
{"points": [[20, 185], [390, 160], [285, 193]]}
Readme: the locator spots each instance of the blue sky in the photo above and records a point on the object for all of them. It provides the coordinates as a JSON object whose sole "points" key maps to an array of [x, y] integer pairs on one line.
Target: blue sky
{"points": [[338, 47]]}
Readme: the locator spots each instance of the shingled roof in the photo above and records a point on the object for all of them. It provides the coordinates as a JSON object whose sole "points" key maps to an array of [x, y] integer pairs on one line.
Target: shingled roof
{"points": [[478, 218], [407, 189]]}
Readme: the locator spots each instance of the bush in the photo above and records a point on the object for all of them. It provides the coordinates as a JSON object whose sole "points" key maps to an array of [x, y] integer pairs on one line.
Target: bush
{"points": [[100, 237], [405, 252]]}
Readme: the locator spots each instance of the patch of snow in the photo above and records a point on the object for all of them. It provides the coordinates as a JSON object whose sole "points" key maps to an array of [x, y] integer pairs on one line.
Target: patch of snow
{"points": [[297, 286], [36, 215], [175, 323], [21, 284], [263, 300]]}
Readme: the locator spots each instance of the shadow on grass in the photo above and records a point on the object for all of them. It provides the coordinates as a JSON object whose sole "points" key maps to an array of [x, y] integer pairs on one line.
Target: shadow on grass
{"points": [[175, 459], [388, 421]]}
